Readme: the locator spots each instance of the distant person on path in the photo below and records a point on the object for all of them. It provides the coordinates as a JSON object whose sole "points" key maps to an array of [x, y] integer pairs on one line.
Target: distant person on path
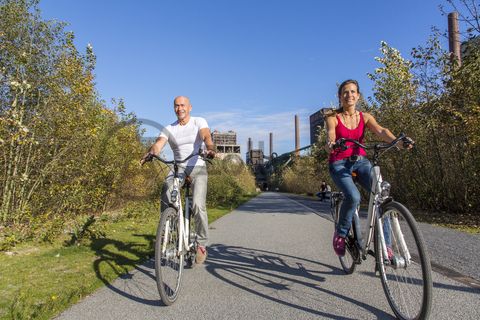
{"points": [[324, 189], [186, 136], [347, 122]]}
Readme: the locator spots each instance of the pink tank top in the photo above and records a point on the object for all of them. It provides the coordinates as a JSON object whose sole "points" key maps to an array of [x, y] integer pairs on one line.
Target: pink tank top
{"points": [[343, 132]]}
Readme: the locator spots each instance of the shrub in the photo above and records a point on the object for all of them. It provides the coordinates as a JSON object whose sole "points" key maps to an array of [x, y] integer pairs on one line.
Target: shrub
{"points": [[223, 190]]}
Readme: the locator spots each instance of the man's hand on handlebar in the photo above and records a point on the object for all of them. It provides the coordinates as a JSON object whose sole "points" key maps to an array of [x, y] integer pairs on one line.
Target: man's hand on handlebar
{"points": [[146, 158], [210, 154]]}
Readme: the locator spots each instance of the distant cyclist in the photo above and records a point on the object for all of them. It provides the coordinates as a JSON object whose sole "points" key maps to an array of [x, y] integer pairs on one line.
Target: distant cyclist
{"points": [[324, 189], [186, 136], [347, 122]]}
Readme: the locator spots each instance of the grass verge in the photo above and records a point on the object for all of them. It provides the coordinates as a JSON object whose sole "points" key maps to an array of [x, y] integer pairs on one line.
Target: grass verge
{"points": [[469, 223], [40, 281]]}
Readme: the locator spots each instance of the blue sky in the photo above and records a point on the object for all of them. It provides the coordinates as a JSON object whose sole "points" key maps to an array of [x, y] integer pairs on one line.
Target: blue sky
{"points": [[247, 65]]}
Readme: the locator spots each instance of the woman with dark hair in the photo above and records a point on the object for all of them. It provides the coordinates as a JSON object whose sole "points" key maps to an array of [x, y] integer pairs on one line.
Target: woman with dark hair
{"points": [[348, 122]]}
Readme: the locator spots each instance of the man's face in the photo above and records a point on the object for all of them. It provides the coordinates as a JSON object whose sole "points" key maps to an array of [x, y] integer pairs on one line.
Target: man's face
{"points": [[182, 108]]}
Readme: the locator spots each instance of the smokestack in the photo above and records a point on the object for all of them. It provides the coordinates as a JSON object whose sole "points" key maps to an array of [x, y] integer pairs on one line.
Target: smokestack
{"points": [[297, 136], [249, 151], [271, 145], [454, 37]]}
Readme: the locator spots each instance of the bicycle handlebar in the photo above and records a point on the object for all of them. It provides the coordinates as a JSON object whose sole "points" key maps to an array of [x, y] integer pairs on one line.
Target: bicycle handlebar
{"points": [[340, 143], [200, 153]]}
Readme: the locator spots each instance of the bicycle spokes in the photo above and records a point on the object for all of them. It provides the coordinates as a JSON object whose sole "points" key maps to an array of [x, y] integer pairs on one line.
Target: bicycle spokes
{"points": [[404, 268], [168, 258]]}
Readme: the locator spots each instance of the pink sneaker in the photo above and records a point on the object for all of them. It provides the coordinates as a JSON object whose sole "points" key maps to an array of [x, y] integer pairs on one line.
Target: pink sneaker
{"points": [[338, 244]]}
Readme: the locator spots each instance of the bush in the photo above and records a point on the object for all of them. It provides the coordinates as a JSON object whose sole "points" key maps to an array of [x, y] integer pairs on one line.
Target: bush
{"points": [[223, 190], [228, 182], [304, 176]]}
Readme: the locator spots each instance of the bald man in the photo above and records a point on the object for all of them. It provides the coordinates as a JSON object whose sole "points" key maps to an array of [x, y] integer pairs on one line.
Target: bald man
{"points": [[186, 136]]}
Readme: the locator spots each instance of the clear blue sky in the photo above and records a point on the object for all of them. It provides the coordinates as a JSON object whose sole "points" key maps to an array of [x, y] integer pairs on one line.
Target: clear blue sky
{"points": [[247, 65]]}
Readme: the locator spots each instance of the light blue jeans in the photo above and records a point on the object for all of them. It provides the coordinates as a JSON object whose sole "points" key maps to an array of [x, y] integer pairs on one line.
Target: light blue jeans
{"points": [[341, 173], [199, 177]]}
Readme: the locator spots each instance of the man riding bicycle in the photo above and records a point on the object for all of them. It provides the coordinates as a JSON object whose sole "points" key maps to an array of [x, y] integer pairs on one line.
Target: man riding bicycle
{"points": [[186, 136]]}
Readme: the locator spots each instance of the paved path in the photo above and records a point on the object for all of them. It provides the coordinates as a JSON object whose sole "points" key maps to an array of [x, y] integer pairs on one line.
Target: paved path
{"points": [[453, 253], [269, 259]]}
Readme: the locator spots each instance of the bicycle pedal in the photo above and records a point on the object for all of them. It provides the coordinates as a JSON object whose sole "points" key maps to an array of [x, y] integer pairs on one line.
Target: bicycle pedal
{"points": [[189, 263]]}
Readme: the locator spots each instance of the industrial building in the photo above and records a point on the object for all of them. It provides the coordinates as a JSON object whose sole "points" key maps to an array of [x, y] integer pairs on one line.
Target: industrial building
{"points": [[316, 124], [226, 145]]}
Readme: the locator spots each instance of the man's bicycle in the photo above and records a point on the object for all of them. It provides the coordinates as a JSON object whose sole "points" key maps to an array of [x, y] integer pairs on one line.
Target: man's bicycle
{"points": [[175, 243], [399, 249]]}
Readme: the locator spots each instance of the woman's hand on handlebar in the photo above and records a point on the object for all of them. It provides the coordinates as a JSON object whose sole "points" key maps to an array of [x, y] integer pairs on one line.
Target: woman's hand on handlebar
{"points": [[340, 145], [406, 143]]}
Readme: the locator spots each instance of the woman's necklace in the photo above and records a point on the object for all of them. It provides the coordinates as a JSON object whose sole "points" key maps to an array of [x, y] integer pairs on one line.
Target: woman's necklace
{"points": [[353, 117]]}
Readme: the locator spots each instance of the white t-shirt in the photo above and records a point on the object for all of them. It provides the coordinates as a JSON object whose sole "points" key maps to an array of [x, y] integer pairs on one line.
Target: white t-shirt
{"points": [[185, 140]]}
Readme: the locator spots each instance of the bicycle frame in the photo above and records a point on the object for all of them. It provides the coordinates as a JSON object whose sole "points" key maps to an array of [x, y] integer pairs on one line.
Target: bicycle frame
{"points": [[184, 219], [374, 217]]}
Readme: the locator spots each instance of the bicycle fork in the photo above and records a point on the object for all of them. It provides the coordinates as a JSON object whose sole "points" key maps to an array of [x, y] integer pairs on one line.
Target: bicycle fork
{"points": [[405, 258], [184, 244]]}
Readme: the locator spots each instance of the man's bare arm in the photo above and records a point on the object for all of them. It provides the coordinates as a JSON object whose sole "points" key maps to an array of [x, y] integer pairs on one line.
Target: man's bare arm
{"points": [[155, 149], [207, 138]]}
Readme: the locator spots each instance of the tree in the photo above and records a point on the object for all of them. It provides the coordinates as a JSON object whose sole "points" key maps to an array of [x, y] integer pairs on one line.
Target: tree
{"points": [[62, 151]]}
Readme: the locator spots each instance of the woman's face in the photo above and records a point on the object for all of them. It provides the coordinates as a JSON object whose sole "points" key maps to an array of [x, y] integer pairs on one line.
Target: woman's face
{"points": [[349, 95]]}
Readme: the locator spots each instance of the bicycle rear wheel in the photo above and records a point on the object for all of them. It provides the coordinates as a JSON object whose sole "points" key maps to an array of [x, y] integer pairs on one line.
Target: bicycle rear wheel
{"points": [[406, 275], [168, 260], [348, 260]]}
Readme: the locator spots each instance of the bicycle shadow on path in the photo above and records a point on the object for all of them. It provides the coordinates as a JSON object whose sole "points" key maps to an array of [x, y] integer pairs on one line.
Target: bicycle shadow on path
{"points": [[281, 278], [110, 266]]}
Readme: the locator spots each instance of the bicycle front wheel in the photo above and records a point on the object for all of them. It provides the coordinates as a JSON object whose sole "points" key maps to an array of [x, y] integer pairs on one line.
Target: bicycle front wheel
{"points": [[406, 272], [168, 259]]}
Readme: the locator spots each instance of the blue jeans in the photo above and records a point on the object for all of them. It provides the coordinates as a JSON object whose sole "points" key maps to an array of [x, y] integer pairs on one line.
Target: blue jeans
{"points": [[341, 173]]}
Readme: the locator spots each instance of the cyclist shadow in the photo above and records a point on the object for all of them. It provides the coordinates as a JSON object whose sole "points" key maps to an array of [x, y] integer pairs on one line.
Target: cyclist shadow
{"points": [[275, 277], [115, 270]]}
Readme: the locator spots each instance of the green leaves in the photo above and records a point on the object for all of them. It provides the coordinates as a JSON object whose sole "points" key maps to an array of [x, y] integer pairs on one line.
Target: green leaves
{"points": [[62, 151], [437, 103]]}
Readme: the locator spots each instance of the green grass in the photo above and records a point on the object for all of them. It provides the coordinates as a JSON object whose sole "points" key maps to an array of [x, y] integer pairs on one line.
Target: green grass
{"points": [[467, 229], [40, 281]]}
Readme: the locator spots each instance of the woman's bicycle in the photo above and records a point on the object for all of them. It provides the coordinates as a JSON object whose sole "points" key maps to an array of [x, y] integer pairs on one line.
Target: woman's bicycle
{"points": [[175, 243], [399, 249]]}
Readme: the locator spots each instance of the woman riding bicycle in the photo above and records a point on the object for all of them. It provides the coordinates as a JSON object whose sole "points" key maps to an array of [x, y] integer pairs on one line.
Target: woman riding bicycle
{"points": [[347, 122]]}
